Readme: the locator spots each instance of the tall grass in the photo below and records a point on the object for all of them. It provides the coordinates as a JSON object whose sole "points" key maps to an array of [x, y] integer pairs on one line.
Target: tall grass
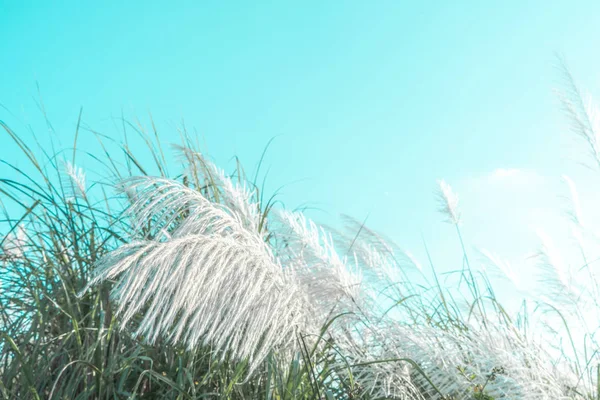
{"points": [[196, 285]]}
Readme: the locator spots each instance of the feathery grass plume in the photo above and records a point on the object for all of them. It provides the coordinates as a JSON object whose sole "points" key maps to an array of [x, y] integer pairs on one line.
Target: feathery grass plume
{"points": [[580, 232], [582, 112], [73, 181], [240, 199], [460, 362], [12, 246], [449, 206], [555, 274], [448, 202], [214, 183], [399, 360], [369, 245], [205, 278], [377, 256], [358, 234], [326, 279], [578, 227], [575, 211]]}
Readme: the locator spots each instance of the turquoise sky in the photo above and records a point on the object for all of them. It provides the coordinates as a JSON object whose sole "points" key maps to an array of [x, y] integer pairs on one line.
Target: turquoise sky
{"points": [[373, 101]]}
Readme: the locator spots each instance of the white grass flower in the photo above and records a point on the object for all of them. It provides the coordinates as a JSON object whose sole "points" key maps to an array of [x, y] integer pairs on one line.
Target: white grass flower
{"points": [[210, 281], [575, 211], [236, 196], [555, 274], [74, 182], [583, 113], [449, 202], [326, 278], [13, 246]]}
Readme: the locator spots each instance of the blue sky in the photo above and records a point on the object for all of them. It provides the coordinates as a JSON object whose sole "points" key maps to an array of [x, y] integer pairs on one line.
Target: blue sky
{"points": [[371, 102]]}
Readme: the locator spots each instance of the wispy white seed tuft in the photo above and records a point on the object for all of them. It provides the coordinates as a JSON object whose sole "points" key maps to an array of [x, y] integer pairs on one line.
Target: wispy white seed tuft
{"points": [[74, 182], [449, 202]]}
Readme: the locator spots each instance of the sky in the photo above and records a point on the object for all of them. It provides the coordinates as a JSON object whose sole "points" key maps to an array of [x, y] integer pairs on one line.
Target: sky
{"points": [[370, 103]]}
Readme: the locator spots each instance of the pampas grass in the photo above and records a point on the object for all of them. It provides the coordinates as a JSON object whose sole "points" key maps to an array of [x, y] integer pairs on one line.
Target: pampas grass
{"points": [[206, 277], [196, 285]]}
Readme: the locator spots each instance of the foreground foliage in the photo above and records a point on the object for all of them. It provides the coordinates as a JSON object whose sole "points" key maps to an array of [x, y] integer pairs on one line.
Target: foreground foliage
{"points": [[195, 285]]}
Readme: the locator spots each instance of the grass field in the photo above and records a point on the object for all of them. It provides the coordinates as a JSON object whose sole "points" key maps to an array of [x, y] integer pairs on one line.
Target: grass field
{"points": [[199, 285]]}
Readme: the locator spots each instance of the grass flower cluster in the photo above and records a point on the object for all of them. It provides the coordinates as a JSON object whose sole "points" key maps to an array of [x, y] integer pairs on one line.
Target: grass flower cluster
{"points": [[195, 285]]}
